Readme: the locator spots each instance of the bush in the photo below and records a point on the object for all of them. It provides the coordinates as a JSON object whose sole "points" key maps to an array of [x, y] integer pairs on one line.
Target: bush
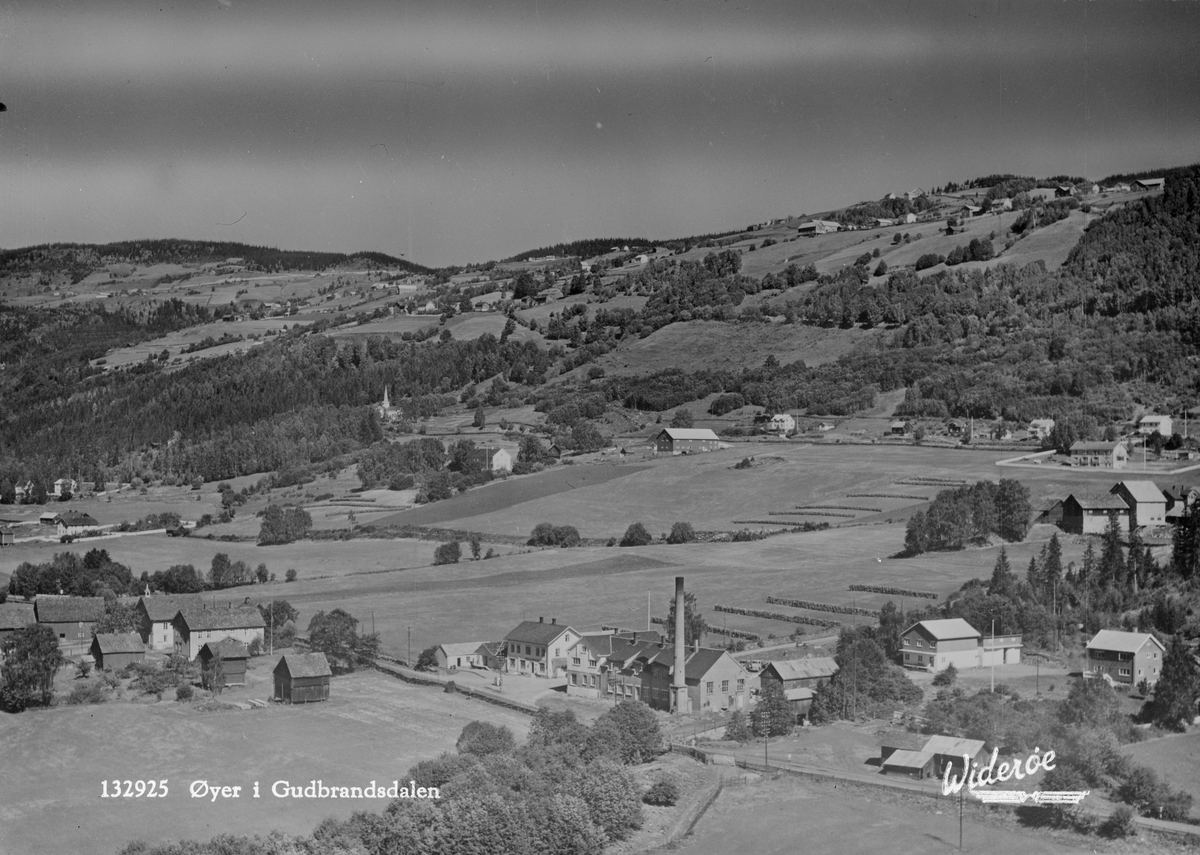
{"points": [[87, 693], [929, 259], [545, 534], [427, 659], [737, 730], [681, 532], [447, 553], [636, 535], [256, 646], [184, 692], [662, 793], [881, 268], [290, 576], [946, 677], [1119, 823]]}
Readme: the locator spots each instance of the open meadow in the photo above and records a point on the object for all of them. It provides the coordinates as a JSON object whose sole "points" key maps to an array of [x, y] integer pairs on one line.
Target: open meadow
{"points": [[373, 727]]}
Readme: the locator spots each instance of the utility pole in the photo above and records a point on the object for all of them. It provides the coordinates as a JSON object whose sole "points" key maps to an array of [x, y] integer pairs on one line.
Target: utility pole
{"points": [[960, 817], [993, 654], [271, 619], [410, 662]]}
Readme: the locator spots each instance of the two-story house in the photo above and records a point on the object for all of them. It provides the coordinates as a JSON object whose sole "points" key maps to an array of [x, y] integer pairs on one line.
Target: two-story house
{"points": [[598, 656], [156, 618], [196, 626], [714, 679], [1126, 657], [933, 645], [540, 648]]}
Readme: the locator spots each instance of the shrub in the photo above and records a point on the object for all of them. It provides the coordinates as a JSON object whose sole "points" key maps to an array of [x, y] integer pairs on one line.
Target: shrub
{"points": [[447, 553], [881, 268], [184, 692], [427, 659], [636, 535], [256, 646], [929, 259], [91, 692], [946, 677], [662, 793], [1119, 823], [681, 532], [482, 738], [737, 729], [290, 576]]}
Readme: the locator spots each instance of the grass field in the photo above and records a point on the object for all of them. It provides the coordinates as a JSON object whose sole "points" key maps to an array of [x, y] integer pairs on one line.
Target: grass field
{"points": [[1175, 758], [787, 815], [373, 727]]}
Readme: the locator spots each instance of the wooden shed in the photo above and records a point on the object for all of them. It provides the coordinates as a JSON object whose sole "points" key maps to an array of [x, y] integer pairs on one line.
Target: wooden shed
{"points": [[235, 657], [114, 651], [302, 678], [6, 537]]}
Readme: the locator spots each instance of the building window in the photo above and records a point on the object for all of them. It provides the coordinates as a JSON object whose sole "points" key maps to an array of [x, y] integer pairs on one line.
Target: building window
{"points": [[574, 679], [708, 687], [724, 687], [907, 642], [920, 643], [592, 662], [556, 651], [1124, 672], [574, 660], [741, 684]]}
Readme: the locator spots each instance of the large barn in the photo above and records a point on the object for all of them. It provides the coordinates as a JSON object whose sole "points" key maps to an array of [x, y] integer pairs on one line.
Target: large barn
{"points": [[114, 651], [685, 441], [73, 619], [302, 678]]}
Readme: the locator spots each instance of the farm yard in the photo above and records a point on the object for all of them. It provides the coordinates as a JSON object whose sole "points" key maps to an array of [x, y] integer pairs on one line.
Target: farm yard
{"points": [[373, 727]]}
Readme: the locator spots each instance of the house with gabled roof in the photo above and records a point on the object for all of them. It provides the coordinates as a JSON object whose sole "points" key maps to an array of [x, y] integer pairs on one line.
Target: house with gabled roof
{"points": [[455, 655], [1107, 455], [1040, 428], [1147, 504], [1125, 657], [156, 617], [7, 538], [490, 459], [302, 678], [75, 523], [199, 624], [235, 659], [539, 648], [117, 650], [685, 441], [949, 751], [1089, 514], [1151, 424], [1149, 183], [715, 680], [933, 645], [73, 619]]}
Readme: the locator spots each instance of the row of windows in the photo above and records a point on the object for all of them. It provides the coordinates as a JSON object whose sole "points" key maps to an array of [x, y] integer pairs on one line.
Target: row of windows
{"points": [[920, 643], [708, 687]]}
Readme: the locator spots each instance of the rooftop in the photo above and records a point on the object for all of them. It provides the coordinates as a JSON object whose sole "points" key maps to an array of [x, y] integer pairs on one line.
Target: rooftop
{"points": [[1120, 641], [121, 642], [943, 630], [51, 608], [305, 665]]}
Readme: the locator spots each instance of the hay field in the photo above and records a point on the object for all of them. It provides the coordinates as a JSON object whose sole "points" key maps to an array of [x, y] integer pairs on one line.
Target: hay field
{"points": [[1175, 758], [373, 727]]}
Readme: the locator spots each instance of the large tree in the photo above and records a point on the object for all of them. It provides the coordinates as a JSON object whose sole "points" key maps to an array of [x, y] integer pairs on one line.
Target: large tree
{"points": [[773, 716], [1174, 703], [336, 635], [29, 659]]}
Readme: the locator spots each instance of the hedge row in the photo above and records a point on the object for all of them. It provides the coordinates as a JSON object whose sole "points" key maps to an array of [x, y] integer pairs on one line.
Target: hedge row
{"points": [[839, 508], [822, 607], [885, 496], [929, 482], [811, 621], [777, 522], [895, 592], [736, 633], [809, 514]]}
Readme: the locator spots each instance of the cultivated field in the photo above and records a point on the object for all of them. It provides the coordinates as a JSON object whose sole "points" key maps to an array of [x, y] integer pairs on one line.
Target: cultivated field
{"points": [[373, 727]]}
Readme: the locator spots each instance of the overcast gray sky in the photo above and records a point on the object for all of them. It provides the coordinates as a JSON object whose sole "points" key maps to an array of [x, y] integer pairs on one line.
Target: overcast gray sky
{"points": [[463, 131]]}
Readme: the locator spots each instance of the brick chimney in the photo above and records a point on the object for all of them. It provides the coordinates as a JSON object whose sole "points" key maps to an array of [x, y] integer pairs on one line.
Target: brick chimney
{"points": [[679, 683]]}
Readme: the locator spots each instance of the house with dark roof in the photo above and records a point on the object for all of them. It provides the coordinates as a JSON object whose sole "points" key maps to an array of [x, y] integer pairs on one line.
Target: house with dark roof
{"points": [[115, 651], [948, 751], [7, 538], [1149, 183], [799, 679], [156, 617], [685, 441], [302, 678], [644, 670], [73, 619], [1089, 514], [1147, 504], [75, 523], [1125, 657], [490, 459], [197, 625], [235, 659], [539, 648], [1105, 455]]}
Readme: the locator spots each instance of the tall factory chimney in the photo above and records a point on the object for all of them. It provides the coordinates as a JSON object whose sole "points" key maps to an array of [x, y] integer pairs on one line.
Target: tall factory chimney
{"points": [[679, 683]]}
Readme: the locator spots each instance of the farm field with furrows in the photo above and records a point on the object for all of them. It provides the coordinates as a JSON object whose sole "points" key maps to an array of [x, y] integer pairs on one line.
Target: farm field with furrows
{"points": [[372, 727]]}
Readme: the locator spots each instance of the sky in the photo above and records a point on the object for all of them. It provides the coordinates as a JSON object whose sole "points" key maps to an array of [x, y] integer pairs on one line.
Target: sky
{"points": [[454, 132]]}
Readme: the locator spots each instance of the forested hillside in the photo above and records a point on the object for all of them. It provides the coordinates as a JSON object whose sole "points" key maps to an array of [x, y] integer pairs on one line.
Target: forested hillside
{"points": [[1115, 330]]}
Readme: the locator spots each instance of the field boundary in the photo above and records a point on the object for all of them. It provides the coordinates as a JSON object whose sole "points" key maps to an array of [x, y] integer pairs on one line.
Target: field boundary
{"points": [[417, 679]]}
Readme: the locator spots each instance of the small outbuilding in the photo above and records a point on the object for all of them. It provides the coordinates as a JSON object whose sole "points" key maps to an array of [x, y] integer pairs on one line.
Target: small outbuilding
{"points": [[235, 657], [6, 537], [114, 651], [1090, 514], [302, 678]]}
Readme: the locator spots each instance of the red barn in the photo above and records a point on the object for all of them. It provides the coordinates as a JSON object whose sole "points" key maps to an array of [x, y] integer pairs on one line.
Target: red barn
{"points": [[302, 678]]}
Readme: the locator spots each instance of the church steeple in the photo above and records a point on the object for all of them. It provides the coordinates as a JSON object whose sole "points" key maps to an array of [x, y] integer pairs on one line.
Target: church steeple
{"points": [[387, 405]]}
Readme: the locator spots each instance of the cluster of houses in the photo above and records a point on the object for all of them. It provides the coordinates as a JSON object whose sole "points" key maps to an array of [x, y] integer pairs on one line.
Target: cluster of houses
{"points": [[1135, 505], [183, 624]]}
